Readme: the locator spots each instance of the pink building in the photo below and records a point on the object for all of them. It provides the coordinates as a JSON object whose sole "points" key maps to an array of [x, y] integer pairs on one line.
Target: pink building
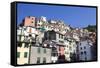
{"points": [[60, 49], [29, 21], [61, 56]]}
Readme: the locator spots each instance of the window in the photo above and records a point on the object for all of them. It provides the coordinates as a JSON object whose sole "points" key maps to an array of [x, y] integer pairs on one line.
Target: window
{"points": [[84, 47], [26, 39], [85, 58], [38, 59], [54, 54], [25, 29], [81, 53], [19, 44], [34, 40], [44, 60], [44, 50], [61, 41], [69, 42], [18, 54], [48, 45], [25, 54], [30, 35], [54, 49], [85, 52], [38, 24], [70, 48], [59, 35], [80, 43], [59, 49], [26, 45], [66, 52], [32, 21], [81, 48], [39, 50], [62, 36]]}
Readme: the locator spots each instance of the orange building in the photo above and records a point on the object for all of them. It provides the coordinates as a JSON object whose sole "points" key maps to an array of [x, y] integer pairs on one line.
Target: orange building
{"points": [[30, 21]]}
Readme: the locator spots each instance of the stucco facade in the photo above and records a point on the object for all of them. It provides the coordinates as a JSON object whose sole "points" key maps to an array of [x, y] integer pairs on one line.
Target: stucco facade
{"points": [[85, 51], [70, 48], [40, 55]]}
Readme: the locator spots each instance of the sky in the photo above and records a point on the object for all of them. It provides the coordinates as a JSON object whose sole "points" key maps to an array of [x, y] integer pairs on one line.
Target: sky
{"points": [[71, 15]]}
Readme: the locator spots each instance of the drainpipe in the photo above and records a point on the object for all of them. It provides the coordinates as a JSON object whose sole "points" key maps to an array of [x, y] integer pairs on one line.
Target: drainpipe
{"points": [[29, 51]]}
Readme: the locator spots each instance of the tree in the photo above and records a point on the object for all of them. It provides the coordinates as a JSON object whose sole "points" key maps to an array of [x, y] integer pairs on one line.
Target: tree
{"points": [[91, 28]]}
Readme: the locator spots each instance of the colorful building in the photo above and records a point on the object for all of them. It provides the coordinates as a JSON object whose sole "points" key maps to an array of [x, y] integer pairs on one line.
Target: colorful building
{"points": [[39, 54], [84, 49]]}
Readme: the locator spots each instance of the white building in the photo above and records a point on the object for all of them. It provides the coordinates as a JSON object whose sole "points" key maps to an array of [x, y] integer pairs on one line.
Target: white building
{"points": [[84, 50], [70, 48], [25, 35], [40, 55], [41, 22]]}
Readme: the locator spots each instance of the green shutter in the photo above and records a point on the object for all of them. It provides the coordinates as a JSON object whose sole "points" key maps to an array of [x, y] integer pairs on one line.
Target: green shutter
{"points": [[25, 54], [38, 60], [18, 54], [44, 50], [39, 50], [44, 60]]}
